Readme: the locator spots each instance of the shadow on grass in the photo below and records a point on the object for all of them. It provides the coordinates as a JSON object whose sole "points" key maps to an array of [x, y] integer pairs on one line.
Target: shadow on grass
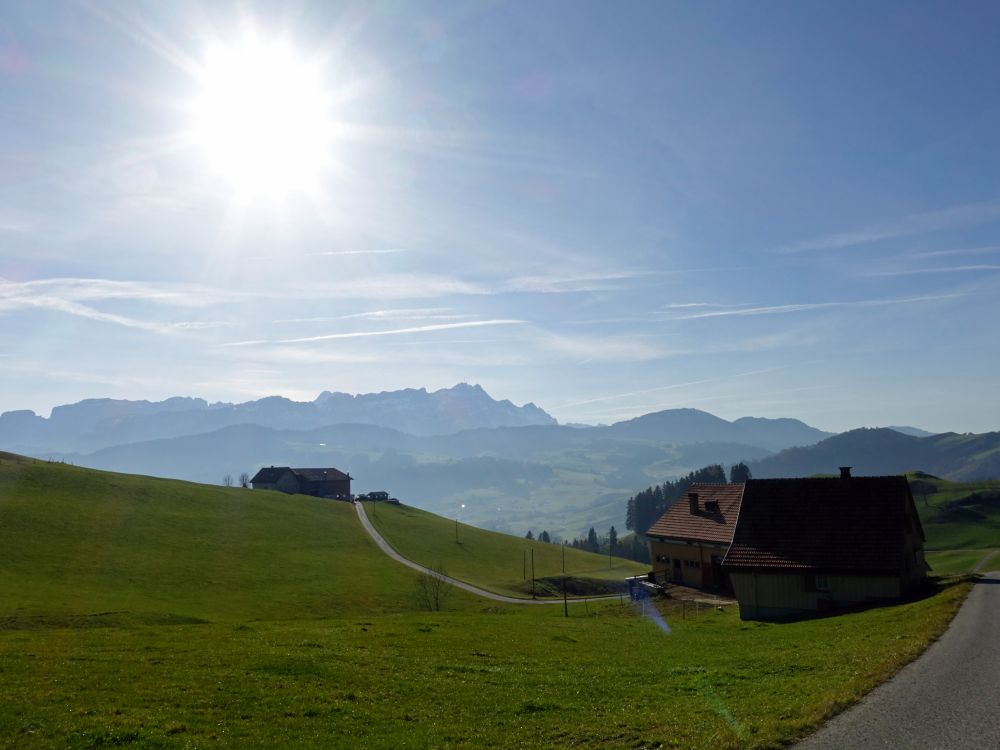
{"points": [[96, 620], [931, 587]]}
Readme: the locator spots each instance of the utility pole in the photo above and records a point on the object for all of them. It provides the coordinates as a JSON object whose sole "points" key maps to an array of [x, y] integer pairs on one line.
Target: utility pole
{"points": [[565, 604], [564, 559], [532, 573], [524, 566], [456, 531]]}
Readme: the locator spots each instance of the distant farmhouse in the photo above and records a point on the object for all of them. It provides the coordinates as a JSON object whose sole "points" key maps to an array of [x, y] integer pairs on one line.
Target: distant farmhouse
{"points": [[788, 547], [806, 545], [329, 483], [689, 541]]}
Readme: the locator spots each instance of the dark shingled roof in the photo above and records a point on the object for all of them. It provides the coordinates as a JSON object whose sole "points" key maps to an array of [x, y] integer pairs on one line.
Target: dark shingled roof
{"points": [[269, 474], [678, 522], [854, 524], [319, 475]]}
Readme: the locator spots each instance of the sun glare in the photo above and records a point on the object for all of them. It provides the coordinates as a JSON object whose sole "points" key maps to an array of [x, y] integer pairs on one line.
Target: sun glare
{"points": [[263, 117]]}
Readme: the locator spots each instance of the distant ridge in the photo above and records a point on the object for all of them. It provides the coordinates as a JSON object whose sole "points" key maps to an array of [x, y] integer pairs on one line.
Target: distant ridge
{"points": [[93, 424], [914, 431], [883, 450], [695, 426]]}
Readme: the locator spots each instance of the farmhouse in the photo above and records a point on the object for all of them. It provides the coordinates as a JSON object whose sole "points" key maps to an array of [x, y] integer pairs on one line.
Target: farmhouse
{"points": [[331, 483], [804, 545], [689, 541]]}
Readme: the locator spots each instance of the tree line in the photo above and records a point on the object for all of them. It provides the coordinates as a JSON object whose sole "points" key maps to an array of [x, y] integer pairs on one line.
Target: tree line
{"points": [[645, 507]]}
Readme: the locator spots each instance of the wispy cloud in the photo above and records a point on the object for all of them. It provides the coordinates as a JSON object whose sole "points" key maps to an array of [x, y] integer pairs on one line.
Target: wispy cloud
{"points": [[556, 284], [942, 270], [611, 348], [430, 286], [50, 302], [74, 296], [391, 332], [411, 313], [920, 223], [385, 251], [200, 325], [808, 306], [982, 250], [14, 226], [84, 290]]}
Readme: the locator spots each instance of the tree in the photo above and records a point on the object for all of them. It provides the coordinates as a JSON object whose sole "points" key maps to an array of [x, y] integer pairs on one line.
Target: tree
{"points": [[544, 537], [649, 504], [432, 589], [612, 540], [227, 481], [593, 544], [529, 535], [739, 473], [245, 480]]}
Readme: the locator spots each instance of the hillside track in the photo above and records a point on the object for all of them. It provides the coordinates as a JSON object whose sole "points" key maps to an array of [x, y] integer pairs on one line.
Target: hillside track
{"points": [[391, 552], [984, 560], [945, 700]]}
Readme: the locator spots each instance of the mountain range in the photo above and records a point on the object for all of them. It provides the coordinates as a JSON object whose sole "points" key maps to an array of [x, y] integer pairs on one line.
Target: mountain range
{"points": [[97, 423]]}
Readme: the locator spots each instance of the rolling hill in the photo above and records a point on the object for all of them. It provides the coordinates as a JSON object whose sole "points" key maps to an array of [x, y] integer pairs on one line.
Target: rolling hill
{"points": [[879, 451]]}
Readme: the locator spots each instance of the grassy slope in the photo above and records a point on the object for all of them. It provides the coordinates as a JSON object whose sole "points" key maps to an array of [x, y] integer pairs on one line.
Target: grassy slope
{"points": [[76, 541], [957, 561], [310, 640], [488, 559], [960, 528], [952, 520]]}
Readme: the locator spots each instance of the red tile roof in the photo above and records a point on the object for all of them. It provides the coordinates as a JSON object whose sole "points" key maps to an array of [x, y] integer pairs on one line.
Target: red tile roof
{"points": [[678, 522], [823, 524]]}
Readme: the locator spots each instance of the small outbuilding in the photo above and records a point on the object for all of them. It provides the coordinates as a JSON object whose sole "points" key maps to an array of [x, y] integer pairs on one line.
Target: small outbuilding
{"points": [[820, 543], [328, 483]]}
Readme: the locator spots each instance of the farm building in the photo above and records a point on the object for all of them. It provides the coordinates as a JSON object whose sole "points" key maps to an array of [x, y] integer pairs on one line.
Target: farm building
{"points": [[689, 541], [331, 483], [814, 544]]}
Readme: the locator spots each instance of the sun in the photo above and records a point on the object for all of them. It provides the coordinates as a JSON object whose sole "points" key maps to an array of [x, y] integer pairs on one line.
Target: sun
{"points": [[263, 117]]}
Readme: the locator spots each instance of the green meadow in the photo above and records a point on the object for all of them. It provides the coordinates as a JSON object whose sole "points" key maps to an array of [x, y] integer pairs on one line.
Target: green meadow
{"points": [[493, 561], [961, 521], [154, 614]]}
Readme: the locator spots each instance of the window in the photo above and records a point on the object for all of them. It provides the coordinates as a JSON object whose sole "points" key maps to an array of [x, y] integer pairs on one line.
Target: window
{"points": [[662, 559], [817, 583]]}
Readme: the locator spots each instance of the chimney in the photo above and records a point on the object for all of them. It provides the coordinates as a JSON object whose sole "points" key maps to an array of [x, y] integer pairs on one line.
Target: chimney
{"points": [[693, 501], [845, 472]]}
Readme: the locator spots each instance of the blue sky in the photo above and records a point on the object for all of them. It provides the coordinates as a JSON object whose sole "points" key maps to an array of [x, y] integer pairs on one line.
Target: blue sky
{"points": [[771, 209]]}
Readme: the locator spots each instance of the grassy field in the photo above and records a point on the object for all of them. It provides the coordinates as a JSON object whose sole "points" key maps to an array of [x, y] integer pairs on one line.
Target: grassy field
{"points": [[496, 562], [506, 678], [76, 541], [958, 515], [961, 521], [957, 561], [154, 614]]}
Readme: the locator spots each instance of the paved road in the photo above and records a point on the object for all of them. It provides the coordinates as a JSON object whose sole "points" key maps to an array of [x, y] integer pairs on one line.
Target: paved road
{"points": [[947, 699], [387, 548]]}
